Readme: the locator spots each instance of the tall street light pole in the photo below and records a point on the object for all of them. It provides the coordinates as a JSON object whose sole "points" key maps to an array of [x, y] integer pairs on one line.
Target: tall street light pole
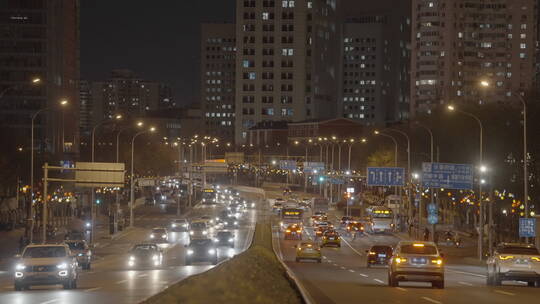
{"points": [[132, 180], [481, 216], [409, 175], [432, 196], [395, 145], [30, 212]]}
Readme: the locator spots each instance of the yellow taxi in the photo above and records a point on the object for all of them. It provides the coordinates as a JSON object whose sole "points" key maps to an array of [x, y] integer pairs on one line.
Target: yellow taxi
{"points": [[308, 250], [331, 238], [293, 232]]}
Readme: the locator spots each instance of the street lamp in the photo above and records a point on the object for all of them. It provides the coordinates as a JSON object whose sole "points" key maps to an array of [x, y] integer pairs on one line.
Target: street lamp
{"points": [[376, 132], [62, 103], [132, 180], [451, 108]]}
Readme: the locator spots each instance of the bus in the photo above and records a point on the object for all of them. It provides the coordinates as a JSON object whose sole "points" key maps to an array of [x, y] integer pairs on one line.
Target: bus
{"points": [[381, 219], [209, 196], [291, 216]]}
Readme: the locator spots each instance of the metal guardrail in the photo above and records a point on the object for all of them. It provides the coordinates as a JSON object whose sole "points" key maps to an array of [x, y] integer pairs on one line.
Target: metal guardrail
{"points": [[303, 291]]}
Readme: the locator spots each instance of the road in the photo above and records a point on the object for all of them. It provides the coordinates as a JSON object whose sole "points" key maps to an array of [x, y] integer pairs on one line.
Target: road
{"points": [[110, 280], [343, 277]]}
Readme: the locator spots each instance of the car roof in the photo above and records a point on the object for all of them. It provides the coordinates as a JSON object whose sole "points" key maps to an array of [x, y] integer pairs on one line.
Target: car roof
{"points": [[405, 243], [521, 245], [46, 245], [161, 228]]}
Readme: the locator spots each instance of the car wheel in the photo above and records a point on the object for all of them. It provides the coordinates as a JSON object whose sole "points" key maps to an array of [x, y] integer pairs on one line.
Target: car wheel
{"points": [[368, 265], [319, 260], [297, 260], [67, 285], [438, 284], [531, 283], [188, 262], [496, 280], [538, 284], [74, 284], [339, 245], [489, 280], [392, 281]]}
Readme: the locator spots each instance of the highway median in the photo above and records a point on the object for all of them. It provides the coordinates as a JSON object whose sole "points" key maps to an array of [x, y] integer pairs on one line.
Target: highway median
{"points": [[254, 276]]}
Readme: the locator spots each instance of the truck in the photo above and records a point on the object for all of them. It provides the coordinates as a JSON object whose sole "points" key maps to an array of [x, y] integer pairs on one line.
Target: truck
{"points": [[381, 219], [291, 216]]}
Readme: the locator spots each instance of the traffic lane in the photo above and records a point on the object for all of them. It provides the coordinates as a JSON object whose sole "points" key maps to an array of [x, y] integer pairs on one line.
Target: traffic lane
{"points": [[349, 265], [123, 285]]}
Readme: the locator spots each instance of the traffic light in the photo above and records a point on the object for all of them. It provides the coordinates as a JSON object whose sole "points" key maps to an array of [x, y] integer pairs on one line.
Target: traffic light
{"points": [[321, 179]]}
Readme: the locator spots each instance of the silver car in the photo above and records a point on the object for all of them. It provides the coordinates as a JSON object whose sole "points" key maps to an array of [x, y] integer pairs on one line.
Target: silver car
{"points": [[416, 262], [514, 262], [48, 264]]}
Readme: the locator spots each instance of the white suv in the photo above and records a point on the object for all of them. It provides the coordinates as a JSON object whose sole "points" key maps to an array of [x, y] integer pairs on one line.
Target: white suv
{"points": [[514, 262], [48, 264]]}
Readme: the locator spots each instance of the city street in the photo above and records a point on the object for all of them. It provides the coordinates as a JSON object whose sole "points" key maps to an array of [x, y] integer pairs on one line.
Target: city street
{"points": [[110, 280], [343, 276]]}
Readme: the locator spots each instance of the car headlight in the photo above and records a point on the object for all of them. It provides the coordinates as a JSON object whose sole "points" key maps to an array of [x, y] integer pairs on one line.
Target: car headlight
{"points": [[211, 251], [132, 258], [80, 254], [190, 252], [185, 225], [20, 267], [173, 225], [205, 232], [231, 240], [62, 266], [163, 236], [216, 240], [88, 225], [236, 223], [191, 232], [155, 257], [151, 236]]}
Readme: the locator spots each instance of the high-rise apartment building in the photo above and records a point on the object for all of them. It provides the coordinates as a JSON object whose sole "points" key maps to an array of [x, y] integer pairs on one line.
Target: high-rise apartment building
{"points": [[457, 44], [126, 93], [40, 39], [86, 108], [218, 68], [374, 84], [286, 63]]}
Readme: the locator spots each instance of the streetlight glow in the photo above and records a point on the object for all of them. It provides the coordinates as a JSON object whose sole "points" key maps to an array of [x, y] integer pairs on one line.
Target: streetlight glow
{"points": [[64, 102], [36, 80], [140, 124], [484, 83], [152, 129], [451, 108]]}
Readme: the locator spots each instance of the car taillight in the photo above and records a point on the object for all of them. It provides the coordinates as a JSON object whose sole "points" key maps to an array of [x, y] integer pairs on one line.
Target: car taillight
{"points": [[298, 231], [536, 259], [400, 260], [372, 253], [287, 231]]}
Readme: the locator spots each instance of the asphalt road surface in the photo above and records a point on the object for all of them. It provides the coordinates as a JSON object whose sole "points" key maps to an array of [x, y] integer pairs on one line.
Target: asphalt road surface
{"points": [[343, 277], [111, 281]]}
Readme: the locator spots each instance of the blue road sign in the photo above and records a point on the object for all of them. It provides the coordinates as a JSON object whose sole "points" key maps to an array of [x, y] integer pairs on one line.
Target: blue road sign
{"points": [[336, 181], [385, 176], [433, 214], [287, 164], [527, 227], [433, 219], [313, 166], [448, 176], [432, 208]]}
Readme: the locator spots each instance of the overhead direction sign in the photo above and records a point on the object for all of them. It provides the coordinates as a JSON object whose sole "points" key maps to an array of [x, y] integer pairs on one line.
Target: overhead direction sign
{"points": [[287, 164], [527, 227], [385, 176], [448, 176], [313, 166], [96, 175]]}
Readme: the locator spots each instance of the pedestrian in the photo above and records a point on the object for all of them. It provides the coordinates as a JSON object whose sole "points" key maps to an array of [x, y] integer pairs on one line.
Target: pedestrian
{"points": [[426, 234]]}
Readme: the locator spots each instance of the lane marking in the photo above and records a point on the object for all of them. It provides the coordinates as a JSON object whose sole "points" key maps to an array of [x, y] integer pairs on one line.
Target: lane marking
{"points": [[121, 282], [342, 268], [329, 261], [378, 281], [504, 292], [335, 264], [50, 301], [164, 282], [350, 270], [92, 289], [401, 288], [364, 275], [431, 300], [468, 273], [357, 252], [465, 283], [143, 275]]}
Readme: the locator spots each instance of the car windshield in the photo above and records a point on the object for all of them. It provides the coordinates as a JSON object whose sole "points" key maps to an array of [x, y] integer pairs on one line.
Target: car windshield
{"points": [[180, 221], [45, 252], [76, 245], [144, 248], [198, 225], [223, 234], [425, 249], [307, 245], [200, 242], [159, 230], [381, 249], [518, 250]]}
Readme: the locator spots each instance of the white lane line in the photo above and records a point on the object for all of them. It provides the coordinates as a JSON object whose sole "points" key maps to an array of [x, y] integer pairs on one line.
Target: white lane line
{"points": [[364, 275], [342, 268], [505, 292], [164, 282], [401, 288], [50, 301], [468, 273], [143, 275], [357, 252], [465, 283], [92, 289], [121, 282], [378, 281], [329, 261], [324, 257], [335, 264], [431, 300], [350, 270]]}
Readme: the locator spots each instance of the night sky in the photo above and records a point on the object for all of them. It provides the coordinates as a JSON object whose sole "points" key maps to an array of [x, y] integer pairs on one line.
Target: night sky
{"points": [[158, 39]]}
